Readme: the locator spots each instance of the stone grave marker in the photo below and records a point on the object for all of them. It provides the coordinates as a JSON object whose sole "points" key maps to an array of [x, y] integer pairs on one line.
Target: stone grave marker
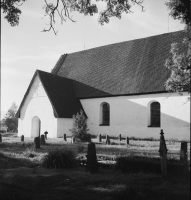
{"points": [[37, 143], [45, 134], [92, 165], [184, 155], [42, 139], [162, 152], [22, 138]]}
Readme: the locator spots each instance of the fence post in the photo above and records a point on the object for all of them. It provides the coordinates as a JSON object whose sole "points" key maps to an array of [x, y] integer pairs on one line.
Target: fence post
{"points": [[99, 137], [127, 140], [107, 140], [64, 136], [119, 137]]}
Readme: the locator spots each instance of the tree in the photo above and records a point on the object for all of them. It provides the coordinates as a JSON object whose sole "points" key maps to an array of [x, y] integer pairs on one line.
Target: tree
{"points": [[80, 128], [181, 10], [180, 60], [10, 120], [63, 9], [179, 63]]}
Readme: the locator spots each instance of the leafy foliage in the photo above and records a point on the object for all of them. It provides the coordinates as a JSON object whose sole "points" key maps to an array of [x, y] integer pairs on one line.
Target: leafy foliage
{"points": [[12, 12], [79, 129], [63, 9], [180, 9], [59, 158], [179, 63], [10, 120]]}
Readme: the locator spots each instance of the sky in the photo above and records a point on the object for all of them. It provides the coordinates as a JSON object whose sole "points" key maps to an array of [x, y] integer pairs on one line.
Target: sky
{"points": [[25, 48]]}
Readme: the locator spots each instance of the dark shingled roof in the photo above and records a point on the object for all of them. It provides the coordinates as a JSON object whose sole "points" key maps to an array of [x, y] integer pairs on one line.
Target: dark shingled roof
{"points": [[125, 68], [61, 93]]}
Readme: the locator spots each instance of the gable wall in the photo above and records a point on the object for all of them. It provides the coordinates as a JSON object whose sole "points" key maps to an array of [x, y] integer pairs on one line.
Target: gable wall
{"points": [[37, 104], [130, 116]]}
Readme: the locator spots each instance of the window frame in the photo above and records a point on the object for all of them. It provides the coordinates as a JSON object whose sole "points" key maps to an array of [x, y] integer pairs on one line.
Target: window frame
{"points": [[155, 115], [105, 114]]}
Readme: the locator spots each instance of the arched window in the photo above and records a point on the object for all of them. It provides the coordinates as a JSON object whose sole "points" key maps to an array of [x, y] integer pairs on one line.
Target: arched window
{"points": [[155, 114], [105, 114]]}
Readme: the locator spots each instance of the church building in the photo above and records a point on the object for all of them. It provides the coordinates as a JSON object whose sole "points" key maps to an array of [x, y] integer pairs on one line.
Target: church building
{"points": [[120, 88]]}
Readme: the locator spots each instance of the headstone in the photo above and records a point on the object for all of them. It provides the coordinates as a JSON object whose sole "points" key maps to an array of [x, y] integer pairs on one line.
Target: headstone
{"points": [[183, 152], [127, 140], [37, 143], [92, 165], [45, 134], [0, 138], [42, 139], [64, 136], [163, 151], [184, 156], [99, 137], [22, 138], [119, 137]]}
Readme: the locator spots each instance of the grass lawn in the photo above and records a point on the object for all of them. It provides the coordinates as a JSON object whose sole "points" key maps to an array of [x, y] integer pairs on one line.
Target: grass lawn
{"points": [[77, 184]]}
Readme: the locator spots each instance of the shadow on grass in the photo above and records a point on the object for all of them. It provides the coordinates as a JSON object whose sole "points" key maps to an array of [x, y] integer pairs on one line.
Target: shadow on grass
{"points": [[7, 162]]}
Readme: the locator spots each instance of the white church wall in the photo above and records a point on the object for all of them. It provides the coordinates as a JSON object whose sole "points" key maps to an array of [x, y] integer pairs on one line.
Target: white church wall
{"points": [[37, 104], [64, 126], [130, 116]]}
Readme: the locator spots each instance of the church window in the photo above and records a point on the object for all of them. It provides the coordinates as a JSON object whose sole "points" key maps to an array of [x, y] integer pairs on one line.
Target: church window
{"points": [[105, 114], [155, 114]]}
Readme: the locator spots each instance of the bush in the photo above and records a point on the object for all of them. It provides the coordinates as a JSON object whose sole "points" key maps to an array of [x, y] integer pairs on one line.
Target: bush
{"points": [[80, 148], [59, 158], [80, 129]]}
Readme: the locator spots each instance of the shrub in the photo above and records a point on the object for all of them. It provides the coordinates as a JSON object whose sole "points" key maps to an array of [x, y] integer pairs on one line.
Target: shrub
{"points": [[79, 129], [80, 148], [59, 158]]}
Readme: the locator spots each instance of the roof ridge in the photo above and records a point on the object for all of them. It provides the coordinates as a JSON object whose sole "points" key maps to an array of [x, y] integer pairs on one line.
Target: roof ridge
{"points": [[125, 41], [58, 64]]}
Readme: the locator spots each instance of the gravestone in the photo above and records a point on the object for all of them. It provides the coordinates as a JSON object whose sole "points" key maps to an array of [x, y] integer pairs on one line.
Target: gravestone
{"points": [[183, 152], [162, 152], [37, 143], [0, 138], [22, 138], [92, 165], [119, 137], [99, 137], [42, 139], [184, 155], [45, 134], [64, 136], [127, 140]]}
